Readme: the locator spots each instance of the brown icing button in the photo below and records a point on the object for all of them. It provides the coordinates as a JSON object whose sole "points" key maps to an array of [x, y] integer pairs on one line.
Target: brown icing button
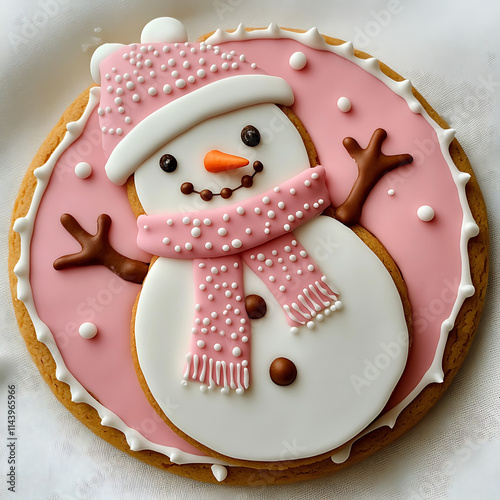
{"points": [[255, 306], [226, 193], [206, 195], [187, 188], [283, 371]]}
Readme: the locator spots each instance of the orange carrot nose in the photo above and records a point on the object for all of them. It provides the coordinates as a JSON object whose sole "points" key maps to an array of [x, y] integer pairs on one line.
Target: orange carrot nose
{"points": [[217, 161]]}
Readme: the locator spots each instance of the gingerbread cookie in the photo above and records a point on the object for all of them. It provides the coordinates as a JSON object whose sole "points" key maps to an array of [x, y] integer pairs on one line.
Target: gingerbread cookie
{"points": [[277, 235]]}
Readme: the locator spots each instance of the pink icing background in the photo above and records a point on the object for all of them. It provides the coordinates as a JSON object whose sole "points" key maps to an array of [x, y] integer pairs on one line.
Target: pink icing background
{"points": [[427, 253]]}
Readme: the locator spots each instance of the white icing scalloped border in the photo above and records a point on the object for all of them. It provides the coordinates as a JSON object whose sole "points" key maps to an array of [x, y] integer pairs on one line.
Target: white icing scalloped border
{"points": [[313, 39], [24, 227]]}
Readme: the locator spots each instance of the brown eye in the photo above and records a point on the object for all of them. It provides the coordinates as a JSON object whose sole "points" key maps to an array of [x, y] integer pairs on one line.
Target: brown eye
{"points": [[168, 163], [250, 136]]}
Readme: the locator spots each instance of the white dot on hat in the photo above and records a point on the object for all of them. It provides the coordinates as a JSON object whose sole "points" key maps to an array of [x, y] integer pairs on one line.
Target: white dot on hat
{"points": [[152, 91], [213, 68], [298, 60], [136, 97], [186, 64], [174, 74], [225, 65], [130, 85], [344, 104], [140, 79], [201, 73], [167, 89], [171, 62], [191, 79], [180, 84], [128, 119]]}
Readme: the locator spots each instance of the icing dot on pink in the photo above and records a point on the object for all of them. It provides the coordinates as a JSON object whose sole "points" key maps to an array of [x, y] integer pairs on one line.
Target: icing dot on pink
{"points": [[344, 104], [87, 330], [298, 61], [83, 170]]}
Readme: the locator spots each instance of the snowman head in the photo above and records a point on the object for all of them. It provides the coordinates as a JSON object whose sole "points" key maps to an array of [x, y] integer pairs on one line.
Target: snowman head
{"points": [[197, 126]]}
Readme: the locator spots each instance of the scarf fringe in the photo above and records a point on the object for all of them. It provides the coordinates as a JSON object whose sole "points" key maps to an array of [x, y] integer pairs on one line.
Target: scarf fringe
{"points": [[312, 301], [212, 373]]}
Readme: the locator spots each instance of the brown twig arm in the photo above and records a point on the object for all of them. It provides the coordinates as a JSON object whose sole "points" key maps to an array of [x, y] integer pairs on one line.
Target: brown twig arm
{"points": [[372, 166], [97, 251]]}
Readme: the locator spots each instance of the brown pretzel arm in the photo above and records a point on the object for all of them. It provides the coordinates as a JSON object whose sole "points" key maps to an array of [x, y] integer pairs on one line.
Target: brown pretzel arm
{"points": [[96, 250], [372, 166]]}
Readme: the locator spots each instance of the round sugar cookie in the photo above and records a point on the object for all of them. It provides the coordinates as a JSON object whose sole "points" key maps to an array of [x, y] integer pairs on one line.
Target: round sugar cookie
{"points": [[442, 263]]}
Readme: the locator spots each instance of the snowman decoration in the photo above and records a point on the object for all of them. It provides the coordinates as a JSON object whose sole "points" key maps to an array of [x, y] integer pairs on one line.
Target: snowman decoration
{"points": [[251, 335]]}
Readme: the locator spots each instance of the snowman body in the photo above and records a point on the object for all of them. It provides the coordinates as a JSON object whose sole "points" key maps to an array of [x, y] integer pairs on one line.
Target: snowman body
{"points": [[349, 359]]}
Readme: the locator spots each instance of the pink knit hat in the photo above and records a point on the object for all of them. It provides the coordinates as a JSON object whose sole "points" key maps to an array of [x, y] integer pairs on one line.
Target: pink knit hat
{"points": [[154, 91]]}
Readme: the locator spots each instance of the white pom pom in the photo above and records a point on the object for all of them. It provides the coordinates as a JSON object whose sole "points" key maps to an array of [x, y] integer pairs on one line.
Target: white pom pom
{"points": [[164, 30], [99, 55]]}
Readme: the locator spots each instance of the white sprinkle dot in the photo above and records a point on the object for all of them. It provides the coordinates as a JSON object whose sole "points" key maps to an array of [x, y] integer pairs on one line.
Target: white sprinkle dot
{"points": [[195, 232], [87, 330], [200, 344], [208, 245], [83, 170], [271, 214], [217, 347], [236, 243], [344, 104], [152, 91], [266, 200], [166, 241], [222, 231], [236, 352], [186, 220], [425, 213], [180, 84], [390, 192], [298, 61]]}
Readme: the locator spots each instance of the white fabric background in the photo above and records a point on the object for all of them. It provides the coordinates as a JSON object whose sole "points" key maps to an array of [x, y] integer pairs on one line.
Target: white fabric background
{"points": [[449, 49]]}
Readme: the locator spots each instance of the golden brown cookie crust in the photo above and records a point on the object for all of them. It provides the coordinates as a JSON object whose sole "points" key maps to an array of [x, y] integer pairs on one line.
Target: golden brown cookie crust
{"points": [[457, 346]]}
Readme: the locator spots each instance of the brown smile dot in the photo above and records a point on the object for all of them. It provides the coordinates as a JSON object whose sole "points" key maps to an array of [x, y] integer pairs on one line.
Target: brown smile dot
{"points": [[246, 181]]}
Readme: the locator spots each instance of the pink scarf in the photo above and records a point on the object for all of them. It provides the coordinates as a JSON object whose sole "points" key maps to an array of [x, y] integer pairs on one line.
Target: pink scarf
{"points": [[258, 232]]}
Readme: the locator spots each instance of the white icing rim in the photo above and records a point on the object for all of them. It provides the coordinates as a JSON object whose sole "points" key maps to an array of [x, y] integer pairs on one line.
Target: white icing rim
{"points": [[24, 227], [314, 40]]}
